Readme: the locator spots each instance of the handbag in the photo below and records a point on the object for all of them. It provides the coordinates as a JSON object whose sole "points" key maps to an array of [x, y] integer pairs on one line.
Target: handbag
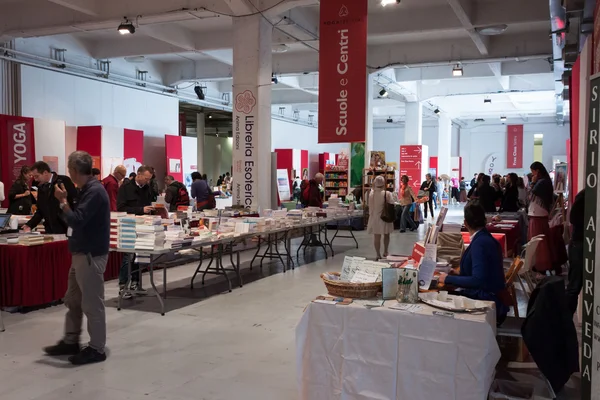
{"points": [[388, 214], [418, 214]]}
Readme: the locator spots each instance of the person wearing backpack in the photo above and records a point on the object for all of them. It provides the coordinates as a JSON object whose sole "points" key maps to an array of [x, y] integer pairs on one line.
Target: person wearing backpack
{"points": [[176, 194]]}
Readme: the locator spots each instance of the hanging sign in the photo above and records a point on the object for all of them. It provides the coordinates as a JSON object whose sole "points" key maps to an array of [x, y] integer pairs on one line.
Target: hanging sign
{"points": [[514, 146], [342, 71], [245, 147], [590, 341], [17, 147], [491, 164]]}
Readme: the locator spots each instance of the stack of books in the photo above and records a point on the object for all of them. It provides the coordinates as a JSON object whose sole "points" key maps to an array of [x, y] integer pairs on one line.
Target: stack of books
{"points": [[114, 228], [174, 237], [126, 232], [31, 240], [150, 233]]}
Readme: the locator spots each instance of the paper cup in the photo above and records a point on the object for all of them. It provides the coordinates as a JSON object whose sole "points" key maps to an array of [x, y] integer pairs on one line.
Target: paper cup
{"points": [[469, 303], [459, 302], [429, 296], [442, 296]]}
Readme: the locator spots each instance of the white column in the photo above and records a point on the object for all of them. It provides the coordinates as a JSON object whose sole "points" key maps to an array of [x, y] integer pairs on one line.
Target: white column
{"points": [[252, 112], [444, 145], [10, 86], [413, 127], [369, 121], [200, 142]]}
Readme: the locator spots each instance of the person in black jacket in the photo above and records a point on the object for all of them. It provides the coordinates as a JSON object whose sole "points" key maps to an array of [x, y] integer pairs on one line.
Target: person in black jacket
{"points": [[48, 206], [487, 195], [134, 197], [429, 187], [576, 251], [510, 200], [19, 196], [172, 196]]}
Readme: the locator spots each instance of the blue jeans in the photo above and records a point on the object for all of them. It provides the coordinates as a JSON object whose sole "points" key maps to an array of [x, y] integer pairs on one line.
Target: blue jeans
{"points": [[406, 218], [135, 275]]}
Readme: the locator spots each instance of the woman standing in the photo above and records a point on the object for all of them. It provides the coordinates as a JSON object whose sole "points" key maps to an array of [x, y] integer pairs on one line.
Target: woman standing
{"points": [[522, 192], [462, 186], [19, 195], [378, 198], [540, 206], [407, 198], [510, 200], [428, 186]]}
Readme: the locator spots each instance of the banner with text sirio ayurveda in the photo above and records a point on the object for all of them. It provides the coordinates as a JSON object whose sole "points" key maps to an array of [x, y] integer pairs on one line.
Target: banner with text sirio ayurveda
{"points": [[342, 71]]}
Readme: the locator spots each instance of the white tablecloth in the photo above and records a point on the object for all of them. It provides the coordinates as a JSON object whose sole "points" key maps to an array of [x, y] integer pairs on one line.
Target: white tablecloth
{"points": [[353, 353]]}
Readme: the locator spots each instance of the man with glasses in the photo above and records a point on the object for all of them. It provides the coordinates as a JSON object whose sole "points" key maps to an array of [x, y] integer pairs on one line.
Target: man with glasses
{"points": [[48, 206], [134, 197]]}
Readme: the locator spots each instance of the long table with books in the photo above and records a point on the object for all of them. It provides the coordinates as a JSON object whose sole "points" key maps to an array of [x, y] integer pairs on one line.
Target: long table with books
{"points": [[220, 247]]}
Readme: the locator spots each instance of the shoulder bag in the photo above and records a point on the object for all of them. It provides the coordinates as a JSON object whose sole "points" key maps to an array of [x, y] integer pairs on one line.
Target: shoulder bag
{"points": [[388, 214]]}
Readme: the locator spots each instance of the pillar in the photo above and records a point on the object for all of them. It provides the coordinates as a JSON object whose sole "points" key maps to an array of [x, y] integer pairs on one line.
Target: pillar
{"points": [[444, 145], [369, 122], [413, 126], [200, 143], [252, 112]]}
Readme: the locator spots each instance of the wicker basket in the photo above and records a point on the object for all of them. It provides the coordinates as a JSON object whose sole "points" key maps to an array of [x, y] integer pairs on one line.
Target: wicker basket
{"points": [[351, 290]]}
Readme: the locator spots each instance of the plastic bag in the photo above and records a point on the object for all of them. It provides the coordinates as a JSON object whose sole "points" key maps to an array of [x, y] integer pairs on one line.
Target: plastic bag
{"points": [[511, 390]]}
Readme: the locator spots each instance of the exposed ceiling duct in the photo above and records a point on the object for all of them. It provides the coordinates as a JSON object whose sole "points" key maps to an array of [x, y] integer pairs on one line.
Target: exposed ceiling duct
{"points": [[558, 21]]}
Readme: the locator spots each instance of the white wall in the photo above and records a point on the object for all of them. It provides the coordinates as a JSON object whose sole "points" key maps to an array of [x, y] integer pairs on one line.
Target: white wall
{"points": [[80, 102], [478, 143]]}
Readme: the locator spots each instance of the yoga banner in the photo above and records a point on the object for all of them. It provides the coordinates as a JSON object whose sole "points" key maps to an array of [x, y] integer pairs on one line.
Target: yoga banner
{"points": [[17, 147], [342, 71], [514, 146]]}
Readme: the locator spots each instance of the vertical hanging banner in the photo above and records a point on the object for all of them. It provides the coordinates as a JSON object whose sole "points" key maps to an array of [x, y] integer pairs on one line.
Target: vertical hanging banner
{"points": [[17, 146], [245, 147], [342, 71], [514, 146], [590, 341]]}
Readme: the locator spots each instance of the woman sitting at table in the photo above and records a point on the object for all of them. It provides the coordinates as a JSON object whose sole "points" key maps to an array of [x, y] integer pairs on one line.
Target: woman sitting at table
{"points": [[481, 267]]}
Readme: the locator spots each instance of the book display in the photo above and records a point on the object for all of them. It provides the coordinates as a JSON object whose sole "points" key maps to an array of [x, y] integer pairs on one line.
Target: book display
{"points": [[336, 181], [370, 174]]}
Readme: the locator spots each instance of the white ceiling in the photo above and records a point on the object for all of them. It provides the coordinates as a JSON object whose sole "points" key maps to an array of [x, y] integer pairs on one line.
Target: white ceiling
{"points": [[419, 39]]}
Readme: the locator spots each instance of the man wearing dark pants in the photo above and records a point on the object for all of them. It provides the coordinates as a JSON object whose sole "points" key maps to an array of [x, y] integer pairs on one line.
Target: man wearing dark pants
{"points": [[576, 252], [134, 197], [88, 233]]}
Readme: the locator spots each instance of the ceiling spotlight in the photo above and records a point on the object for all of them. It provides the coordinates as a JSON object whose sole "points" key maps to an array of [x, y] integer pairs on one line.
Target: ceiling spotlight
{"points": [[383, 93], [389, 120], [457, 70], [199, 92], [274, 79], [209, 115], [503, 119], [487, 101], [436, 111], [126, 27], [386, 2]]}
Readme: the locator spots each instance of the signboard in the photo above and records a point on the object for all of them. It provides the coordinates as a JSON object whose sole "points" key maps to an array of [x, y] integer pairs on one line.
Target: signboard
{"points": [[283, 185], [17, 147], [590, 342], [514, 146], [491, 164], [342, 71], [245, 147], [411, 164]]}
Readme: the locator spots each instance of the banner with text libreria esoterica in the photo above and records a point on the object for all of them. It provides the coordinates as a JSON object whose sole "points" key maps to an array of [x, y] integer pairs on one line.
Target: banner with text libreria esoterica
{"points": [[245, 147], [342, 71]]}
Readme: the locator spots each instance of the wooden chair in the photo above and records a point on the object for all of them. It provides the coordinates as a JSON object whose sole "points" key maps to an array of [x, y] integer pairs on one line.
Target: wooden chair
{"points": [[524, 275], [510, 276]]}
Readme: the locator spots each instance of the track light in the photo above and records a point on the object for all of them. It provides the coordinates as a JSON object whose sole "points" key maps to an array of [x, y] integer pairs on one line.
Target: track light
{"points": [[386, 2], [209, 116], [436, 111], [487, 101], [383, 93], [126, 27], [199, 92], [503, 119], [274, 79], [457, 70]]}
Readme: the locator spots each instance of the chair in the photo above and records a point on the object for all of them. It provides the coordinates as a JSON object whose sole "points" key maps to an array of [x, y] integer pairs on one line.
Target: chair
{"points": [[510, 277], [529, 257]]}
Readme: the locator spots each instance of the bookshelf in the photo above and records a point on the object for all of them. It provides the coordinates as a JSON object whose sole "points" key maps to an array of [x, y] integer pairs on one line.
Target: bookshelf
{"points": [[336, 181], [369, 175]]}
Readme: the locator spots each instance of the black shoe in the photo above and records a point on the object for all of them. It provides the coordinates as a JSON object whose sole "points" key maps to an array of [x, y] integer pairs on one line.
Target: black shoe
{"points": [[87, 356], [62, 349], [402, 230]]}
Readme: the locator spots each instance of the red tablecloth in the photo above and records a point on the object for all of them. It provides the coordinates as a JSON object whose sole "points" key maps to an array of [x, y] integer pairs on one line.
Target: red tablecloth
{"points": [[37, 275], [500, 237], [513, 235]]}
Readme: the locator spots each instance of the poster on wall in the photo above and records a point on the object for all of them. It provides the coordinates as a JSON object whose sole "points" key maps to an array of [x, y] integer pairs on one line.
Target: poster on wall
{"points": [[52, 162], [245, 146], [305, 174], [17, 147], [357, 163], [342, 72], [560, 178], [283, 185], [174, 165], [514, 146], [377, 160], [491, 164], [590, 351]]}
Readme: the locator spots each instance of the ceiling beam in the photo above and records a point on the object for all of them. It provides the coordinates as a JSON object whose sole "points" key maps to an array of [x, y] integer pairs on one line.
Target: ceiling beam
{"points": [[88, 7], [240, 7], [463, 11]]}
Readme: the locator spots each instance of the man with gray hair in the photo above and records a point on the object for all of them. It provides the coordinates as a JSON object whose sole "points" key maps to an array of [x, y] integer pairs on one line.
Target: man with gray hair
{"points": [[89, 234]]}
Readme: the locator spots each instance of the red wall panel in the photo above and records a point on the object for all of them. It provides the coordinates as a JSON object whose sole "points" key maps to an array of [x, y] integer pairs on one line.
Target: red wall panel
{"points": [[89, 139], [133, 146]]}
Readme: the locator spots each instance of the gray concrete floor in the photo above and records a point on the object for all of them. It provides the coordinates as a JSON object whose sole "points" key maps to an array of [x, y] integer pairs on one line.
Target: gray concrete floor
{"points": [[210, 345]]}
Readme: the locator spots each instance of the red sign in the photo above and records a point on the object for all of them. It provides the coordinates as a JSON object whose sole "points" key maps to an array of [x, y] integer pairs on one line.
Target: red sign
{"points": [[411, 164], [17, 147], [414, 178], [342, 71], [514, 146]]}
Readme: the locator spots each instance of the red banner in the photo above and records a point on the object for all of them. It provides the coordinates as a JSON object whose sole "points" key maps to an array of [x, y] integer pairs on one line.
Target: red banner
{"points": [[342, 71], [17, 147], [411, 164], [514, 146]]}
